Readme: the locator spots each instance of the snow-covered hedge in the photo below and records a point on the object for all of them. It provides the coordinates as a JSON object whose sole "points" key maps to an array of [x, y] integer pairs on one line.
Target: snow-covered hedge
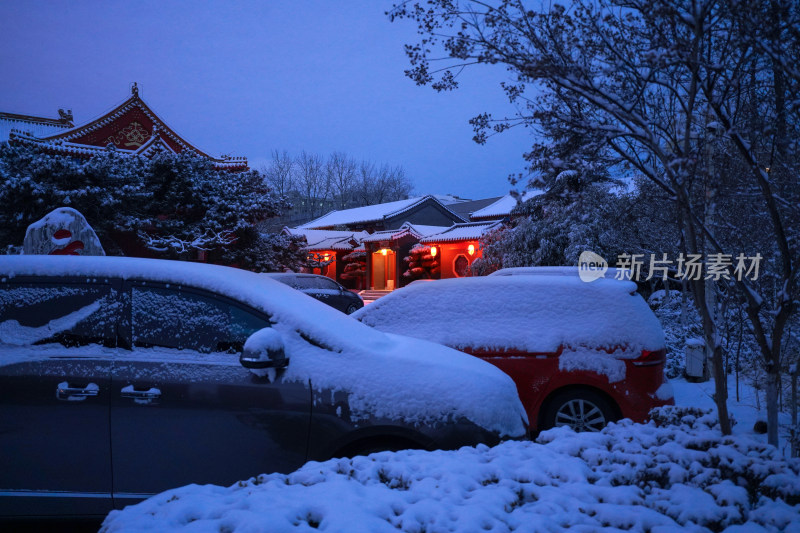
{"points": [[676, 472]]}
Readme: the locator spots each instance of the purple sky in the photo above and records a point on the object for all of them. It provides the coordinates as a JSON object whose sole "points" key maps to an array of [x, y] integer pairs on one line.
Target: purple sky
{"points": [[244, 78]]}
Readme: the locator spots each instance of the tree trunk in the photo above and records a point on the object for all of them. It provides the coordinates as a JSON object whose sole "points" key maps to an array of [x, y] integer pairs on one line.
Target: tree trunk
{"points": [[773, 383], [721, 391], [794, 412]]}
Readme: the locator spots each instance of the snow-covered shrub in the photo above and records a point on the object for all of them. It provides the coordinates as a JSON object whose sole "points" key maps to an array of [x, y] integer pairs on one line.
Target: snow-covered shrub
{"points": [[693, 417], [11, 249], [679, 473], [266, 252], [552, 231], [170, 205]]}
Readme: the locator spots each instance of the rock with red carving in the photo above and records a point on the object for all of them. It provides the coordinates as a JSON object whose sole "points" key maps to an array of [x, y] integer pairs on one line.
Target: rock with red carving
{"points": [[63, 231]]}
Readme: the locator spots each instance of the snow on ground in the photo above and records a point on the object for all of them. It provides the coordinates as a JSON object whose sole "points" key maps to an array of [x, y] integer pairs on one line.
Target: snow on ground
{"points": [[676, 473], [745, 412]]}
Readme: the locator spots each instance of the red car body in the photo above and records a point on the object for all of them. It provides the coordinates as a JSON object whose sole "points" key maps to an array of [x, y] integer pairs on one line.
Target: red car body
{"points": [[539, 379], [552, 391]]}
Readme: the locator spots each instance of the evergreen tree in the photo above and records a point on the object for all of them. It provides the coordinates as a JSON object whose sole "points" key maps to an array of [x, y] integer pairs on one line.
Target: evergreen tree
{"points": [[173, 205]]}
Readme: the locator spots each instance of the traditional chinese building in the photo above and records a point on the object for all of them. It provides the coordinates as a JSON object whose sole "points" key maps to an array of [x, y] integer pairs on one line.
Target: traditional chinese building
{"points": [[35, 126], [326, 251], [464, 207], [132, 128], [392, 229], [454, 249], [386, 246], [387, 252], [390, 215]]}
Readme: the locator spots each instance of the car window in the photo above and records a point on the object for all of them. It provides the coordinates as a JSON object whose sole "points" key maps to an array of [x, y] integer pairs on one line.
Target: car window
{"points": [[71, 314], [305, 282], [189, 320], [326, 283], [286, 280]]}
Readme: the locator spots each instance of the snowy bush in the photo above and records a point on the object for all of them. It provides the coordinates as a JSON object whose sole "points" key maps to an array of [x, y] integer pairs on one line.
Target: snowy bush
{"points": [[677, 472]]}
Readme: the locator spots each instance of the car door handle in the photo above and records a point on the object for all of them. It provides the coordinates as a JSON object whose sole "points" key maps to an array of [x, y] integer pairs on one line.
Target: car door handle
{"points": [[141, 396], [76, 394]]}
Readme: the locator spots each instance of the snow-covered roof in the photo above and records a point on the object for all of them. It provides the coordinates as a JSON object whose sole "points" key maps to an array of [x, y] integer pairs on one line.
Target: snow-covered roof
{"points": [[323, 239], [469, 231], [416, 230], [37, 126], [503, 206], [538, 314], [334, 243], [385, 235], [448, 199], [80, 140], [380, 372], [316, 235], [465, 209], [370, 213]]}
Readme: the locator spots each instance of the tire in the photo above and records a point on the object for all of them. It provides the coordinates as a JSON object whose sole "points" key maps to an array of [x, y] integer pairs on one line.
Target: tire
{"points": [[582, 410], [352, 308]]}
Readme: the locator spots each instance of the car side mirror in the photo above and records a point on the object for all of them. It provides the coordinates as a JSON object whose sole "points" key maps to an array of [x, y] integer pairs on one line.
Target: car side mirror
{"points": [[264, 349]]}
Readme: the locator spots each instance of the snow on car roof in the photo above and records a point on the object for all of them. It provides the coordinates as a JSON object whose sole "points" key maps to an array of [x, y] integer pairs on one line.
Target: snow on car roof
{"points": [[528, 313], [609, 273], [386, 375]]}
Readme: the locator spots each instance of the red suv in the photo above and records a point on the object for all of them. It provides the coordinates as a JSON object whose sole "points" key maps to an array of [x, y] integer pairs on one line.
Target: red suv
{"points": [[581, 353]]}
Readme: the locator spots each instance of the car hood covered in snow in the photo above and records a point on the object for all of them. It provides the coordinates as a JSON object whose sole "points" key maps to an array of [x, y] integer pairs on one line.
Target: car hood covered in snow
{"points": [[385, 375]]}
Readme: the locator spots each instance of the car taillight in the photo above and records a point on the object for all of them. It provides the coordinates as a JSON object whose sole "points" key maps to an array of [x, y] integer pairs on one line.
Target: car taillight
{"points": [[648, 358]]}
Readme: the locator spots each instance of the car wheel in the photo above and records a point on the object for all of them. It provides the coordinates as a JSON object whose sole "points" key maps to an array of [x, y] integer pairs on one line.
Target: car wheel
{"points": [[352, 308], [581, 410]]}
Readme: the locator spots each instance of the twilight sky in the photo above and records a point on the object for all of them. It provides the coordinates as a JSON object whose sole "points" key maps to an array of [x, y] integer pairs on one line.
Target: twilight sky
{"points": [[244, 78]]}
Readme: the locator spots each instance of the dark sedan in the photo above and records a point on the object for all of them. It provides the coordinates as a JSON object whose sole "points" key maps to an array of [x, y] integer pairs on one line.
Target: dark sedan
{"points": [[323, 289], [122, 377]]}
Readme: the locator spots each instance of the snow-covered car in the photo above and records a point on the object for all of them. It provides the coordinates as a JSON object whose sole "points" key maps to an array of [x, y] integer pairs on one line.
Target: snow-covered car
{"points": [[582, 354], [122, 377], [323, 289]]}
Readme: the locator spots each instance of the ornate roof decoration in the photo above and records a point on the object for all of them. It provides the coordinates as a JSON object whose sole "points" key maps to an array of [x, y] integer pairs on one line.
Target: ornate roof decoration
{"points": [[131, 127]]}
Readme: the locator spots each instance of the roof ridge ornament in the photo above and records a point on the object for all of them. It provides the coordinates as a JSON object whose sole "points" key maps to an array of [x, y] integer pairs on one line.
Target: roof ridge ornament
{"points": [[135, 89]]}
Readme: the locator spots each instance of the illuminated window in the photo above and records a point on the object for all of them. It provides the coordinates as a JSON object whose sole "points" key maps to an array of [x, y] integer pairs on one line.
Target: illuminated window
{"points": [[461, 266]]}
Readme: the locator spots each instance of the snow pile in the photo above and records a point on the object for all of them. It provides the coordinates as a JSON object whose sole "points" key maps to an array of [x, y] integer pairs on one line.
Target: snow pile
{"points": [[526, 313], [654, 477], [395, 377]]}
